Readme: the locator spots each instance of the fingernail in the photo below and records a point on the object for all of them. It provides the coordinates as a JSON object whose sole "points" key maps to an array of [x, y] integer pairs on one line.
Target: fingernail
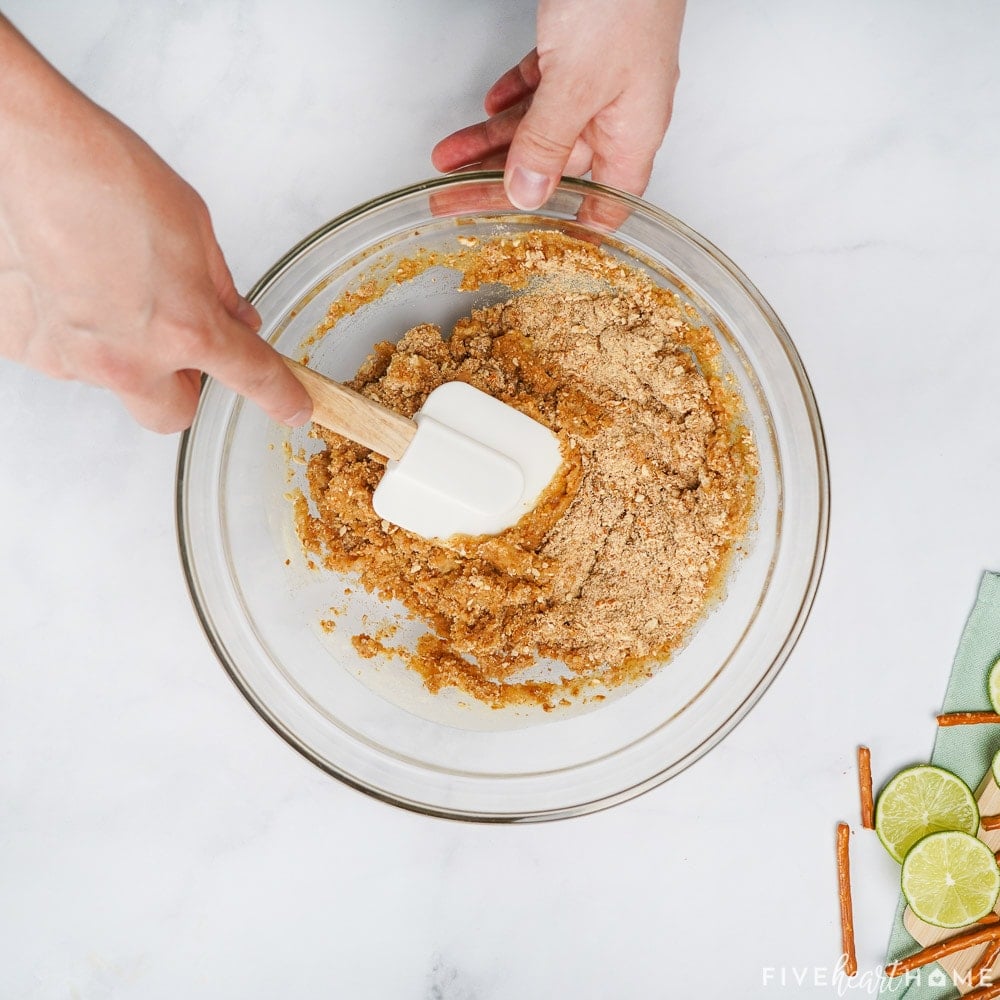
{"points": [[302, 417], [528, 188], [246, 313]]}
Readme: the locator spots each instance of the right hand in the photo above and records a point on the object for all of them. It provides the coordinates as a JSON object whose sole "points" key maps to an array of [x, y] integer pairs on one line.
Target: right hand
{"points": [[110, 272], [596, 94]]}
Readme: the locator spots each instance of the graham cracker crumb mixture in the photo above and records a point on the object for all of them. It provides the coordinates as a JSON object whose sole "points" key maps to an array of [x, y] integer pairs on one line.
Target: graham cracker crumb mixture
{"points": [[625, 550]]}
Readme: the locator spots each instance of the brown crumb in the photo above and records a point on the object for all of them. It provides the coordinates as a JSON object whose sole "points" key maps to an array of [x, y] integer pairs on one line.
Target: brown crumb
{"points": [[622, 555], [371, 646]]}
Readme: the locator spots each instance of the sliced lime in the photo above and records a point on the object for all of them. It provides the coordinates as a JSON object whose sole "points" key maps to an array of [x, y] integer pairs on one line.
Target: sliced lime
{"points": [[993, 685], [922, 800], [950, 879]]}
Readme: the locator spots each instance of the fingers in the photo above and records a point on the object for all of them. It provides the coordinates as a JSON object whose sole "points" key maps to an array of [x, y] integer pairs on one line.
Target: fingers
{"points": [[247, 314], [251, 367], [505, 103], [468, 199], [629, 134], [495, 161], [222, 281], [579, 162], [543, 144], [236, 356], [627, 172], [165, 404], [474, 143], [532, 133], [600, 213], [514, 86], [246, 363]]}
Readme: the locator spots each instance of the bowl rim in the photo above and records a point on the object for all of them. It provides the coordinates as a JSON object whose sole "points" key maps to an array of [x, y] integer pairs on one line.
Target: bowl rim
{"points": [[583, 187]]}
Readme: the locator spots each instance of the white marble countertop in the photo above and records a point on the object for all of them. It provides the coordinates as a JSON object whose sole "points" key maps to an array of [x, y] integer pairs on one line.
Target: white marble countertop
{"points": [[157, 840]]}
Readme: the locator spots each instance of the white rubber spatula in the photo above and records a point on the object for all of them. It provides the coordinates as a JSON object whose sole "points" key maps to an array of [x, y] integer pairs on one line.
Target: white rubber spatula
{"points": [[465, 464]]}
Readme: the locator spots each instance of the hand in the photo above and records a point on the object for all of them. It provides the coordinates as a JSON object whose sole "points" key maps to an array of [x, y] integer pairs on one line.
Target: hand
{"points": [[110, 272], [595, 95]]}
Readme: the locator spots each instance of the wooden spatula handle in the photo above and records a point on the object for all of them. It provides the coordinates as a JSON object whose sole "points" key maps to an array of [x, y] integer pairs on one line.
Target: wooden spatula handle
{"points": [[347, 412]]}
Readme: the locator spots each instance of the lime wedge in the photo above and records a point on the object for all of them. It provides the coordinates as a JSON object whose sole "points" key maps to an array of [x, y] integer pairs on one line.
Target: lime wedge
{"points": [[950, 879], [922, 800], [993, 684]]}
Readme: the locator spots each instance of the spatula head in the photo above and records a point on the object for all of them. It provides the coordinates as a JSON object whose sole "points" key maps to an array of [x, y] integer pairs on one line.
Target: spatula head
{"points": [[474, 467]]}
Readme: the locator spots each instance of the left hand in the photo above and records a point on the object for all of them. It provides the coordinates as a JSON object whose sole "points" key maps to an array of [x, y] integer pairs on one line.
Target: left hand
{"points": [[596, 94]]}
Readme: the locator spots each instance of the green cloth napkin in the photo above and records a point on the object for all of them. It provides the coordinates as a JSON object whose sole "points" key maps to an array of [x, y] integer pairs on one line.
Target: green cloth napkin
{"points": [[966, 751]]}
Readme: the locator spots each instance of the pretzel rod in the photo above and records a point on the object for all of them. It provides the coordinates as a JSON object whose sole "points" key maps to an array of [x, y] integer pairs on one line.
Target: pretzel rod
{"points": [[865, 788], [978, 934], [988, 992], [846, 908], [984, 963], [967, 718]]}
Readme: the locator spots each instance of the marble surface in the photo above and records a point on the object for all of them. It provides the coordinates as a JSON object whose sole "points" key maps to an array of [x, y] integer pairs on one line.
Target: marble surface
{"points": [[157, 840]]}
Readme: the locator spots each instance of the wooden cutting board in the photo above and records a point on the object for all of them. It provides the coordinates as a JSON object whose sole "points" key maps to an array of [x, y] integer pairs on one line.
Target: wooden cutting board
{"points": [[959, 965]]}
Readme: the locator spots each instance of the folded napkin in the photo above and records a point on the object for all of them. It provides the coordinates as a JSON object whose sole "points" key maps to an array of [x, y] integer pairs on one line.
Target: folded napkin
{"points": [[964, 750]]}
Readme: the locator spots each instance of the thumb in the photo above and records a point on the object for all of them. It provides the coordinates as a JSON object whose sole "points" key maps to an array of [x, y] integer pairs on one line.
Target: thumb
{"points": [[251, 367], [222, 280], [542, 145], [242, 360]]}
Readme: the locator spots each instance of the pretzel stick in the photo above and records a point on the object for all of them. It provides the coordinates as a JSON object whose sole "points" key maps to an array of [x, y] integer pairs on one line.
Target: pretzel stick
{"points": [[846, 907], [978, 934], [990, 822], [865, 786], [989, 992], [984, 963], [966, 718]]}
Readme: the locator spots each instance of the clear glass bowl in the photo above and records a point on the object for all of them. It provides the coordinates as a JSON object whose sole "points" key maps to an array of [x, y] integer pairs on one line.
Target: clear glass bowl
{"points": [[371, 723]]}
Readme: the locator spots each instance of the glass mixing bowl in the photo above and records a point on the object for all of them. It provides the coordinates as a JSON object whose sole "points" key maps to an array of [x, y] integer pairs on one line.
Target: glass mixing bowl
{"points": [[371, 722]]}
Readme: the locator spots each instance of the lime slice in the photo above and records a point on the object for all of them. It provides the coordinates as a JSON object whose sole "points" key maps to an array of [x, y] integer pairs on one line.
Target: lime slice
{"points": [[995, 767], [950, 879], [922, 800], [993, 684]]}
